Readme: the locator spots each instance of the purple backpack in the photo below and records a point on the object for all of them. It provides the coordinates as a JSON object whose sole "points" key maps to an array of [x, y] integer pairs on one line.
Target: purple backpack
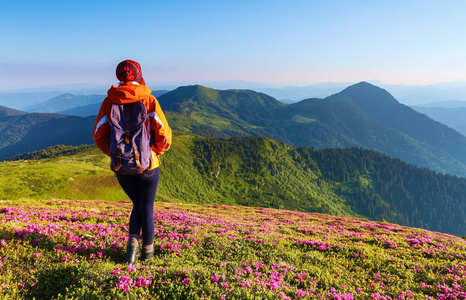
{"points": [[130, 150]]}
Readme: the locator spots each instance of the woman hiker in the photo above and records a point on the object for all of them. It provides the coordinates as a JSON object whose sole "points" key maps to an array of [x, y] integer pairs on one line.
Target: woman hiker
{"points": [[138, 175]]}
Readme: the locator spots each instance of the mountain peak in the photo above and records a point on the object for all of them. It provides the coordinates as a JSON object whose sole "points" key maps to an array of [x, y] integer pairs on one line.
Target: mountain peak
{"points": [[363, 83], [364, 92], [197, 93], [364, 87], [196, 88]]}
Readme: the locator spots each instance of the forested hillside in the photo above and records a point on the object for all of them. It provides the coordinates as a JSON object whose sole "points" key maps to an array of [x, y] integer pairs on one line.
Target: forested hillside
{"points": [[22, 132], [361, 115], [257, 172], [372, 184], [378, 186]]}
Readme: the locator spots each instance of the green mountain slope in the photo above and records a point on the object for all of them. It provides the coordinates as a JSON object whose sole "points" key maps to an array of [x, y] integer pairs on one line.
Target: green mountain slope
{"points": [[360, 116], [377, 186], [381, 106], [212, 112], [366, 116], [86, 176], [257, 172]]}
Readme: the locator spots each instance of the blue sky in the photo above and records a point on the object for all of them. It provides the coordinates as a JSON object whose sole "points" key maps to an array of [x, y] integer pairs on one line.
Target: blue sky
{"points": [[288, 42]]}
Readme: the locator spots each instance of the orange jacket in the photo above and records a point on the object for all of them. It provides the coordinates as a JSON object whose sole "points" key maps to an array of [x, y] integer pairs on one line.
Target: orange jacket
{"points": [[128, 92]]}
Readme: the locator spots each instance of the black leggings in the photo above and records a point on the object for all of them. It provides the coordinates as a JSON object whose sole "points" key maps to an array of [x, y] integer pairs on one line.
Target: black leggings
{"points": [[141, 189]]}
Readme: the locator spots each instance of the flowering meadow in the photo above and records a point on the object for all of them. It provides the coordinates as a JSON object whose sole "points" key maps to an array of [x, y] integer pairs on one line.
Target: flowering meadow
{"points": [[61, 249]]}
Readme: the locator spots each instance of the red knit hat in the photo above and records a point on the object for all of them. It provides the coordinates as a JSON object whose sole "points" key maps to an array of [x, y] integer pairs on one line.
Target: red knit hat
{"points": [[129, 70]]}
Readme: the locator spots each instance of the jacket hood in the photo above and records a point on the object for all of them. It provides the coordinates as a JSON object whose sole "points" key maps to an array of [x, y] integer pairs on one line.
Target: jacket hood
{"points": [[128, 92]]}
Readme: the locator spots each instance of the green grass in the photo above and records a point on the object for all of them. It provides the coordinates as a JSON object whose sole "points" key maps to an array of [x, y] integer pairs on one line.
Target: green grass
{"points": [[83, 176], [301, 119], [74, 250], [211, 120], [277, 182]]}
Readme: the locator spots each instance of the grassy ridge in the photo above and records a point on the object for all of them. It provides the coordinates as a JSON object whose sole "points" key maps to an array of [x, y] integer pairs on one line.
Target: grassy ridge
{"points": [[86, 176], [80, 176]]}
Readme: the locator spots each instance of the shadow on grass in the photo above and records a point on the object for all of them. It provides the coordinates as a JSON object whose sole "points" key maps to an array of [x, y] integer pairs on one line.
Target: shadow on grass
{"points": [[49, 275], [54, 280]]}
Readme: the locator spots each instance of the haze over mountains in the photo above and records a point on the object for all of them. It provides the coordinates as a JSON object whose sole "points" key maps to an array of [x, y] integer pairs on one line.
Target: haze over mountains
{"points": [[77, 105], [454, 116], [407, 94], [64, 102]]}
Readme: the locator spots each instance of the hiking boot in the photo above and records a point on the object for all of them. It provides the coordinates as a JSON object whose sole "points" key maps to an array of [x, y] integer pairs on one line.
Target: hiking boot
{"points": [[132, 254], [147, 255]]}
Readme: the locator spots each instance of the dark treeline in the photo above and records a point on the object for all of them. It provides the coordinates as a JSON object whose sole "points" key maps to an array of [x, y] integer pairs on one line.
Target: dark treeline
{"points": [[372, 184], [51, 152], [378, 186]]}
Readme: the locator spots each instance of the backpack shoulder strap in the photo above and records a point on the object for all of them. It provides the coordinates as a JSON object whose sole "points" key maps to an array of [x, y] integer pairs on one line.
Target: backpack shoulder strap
{"points": [[127, 123]]}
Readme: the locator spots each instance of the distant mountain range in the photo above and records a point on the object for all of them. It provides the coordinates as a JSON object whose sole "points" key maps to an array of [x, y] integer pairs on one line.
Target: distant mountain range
{"points": [[292, 94], [77, 105], [423, 94], [441, 93], [65, 102], [406, 94], [361, 115], [21, 100], [443, 104], [454, 117]]}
